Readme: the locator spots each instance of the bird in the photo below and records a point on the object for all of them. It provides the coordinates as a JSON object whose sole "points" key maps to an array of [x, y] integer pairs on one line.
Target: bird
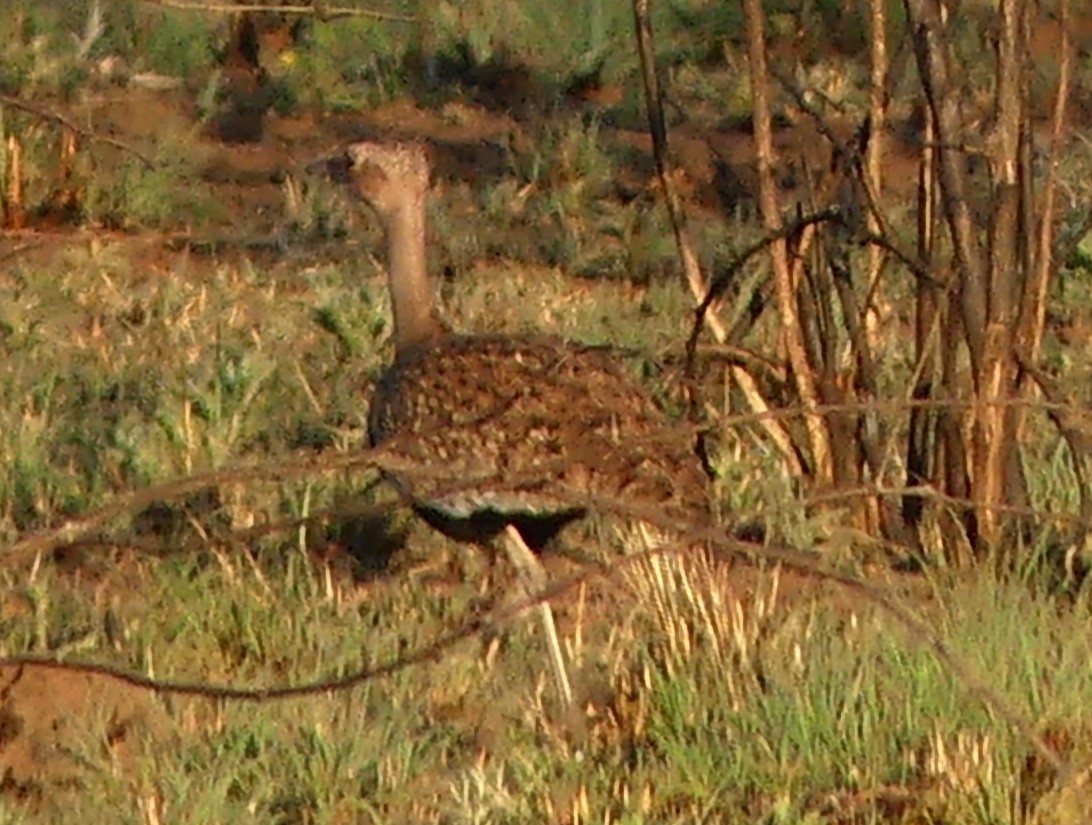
{"points": [[498, 435]]}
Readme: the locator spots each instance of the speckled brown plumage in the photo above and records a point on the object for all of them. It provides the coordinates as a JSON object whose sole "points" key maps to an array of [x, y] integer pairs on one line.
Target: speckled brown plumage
{"points": [[498, 434], [541, 416]]}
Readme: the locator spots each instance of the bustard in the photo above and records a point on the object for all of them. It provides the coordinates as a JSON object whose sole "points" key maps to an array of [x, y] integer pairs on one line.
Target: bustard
{"points": [[544, 421]]}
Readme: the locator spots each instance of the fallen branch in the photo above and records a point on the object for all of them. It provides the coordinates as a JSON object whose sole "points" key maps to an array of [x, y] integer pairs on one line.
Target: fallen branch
{"points": [[318, 10], [61, 120]]}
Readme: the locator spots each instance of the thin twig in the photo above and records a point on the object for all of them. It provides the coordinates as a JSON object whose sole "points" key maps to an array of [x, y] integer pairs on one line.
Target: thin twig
{"points": [[318, 10], [61, 120], [726, 275]]}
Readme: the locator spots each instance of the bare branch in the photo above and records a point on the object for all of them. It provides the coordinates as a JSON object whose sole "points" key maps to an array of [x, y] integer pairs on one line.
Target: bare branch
{"points": [[318, 10], [792, 334], [61, 120]]}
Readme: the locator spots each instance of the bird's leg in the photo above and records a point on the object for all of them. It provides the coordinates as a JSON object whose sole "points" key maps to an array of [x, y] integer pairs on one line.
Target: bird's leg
{"points": [[533, 577]]}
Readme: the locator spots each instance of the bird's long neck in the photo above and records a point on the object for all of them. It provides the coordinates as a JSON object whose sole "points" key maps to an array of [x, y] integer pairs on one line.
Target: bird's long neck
{"points": [[415, 318]]}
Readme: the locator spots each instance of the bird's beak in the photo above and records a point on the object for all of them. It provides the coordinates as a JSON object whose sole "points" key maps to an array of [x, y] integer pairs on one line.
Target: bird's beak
{"points": [[335, 166]]}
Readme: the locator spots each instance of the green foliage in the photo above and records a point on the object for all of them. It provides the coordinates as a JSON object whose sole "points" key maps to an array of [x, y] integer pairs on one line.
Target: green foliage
{"points": [[349, 65], [38, 50], [176, 43], [590, 35], [136, 196]]}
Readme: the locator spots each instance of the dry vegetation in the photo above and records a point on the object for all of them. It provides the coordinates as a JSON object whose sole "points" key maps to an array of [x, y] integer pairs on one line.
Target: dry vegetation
{"points": [[178, 301]]}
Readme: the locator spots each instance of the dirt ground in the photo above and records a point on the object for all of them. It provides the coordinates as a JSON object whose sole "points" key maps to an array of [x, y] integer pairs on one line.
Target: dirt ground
{"points": [[58, 729]]}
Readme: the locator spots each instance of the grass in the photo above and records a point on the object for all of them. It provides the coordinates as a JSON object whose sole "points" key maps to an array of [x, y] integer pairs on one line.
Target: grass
{"points": [[712, 694], [709, 702], [717, 705]]}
